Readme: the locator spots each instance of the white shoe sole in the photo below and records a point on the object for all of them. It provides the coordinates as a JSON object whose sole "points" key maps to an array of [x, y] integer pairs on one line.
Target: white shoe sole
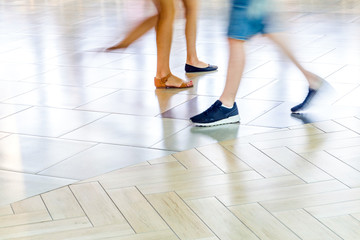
{"points": [[233, 119]]}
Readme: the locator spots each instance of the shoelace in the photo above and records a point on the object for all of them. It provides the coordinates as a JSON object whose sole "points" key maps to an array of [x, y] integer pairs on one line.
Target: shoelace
{"points": [[211, 109]]}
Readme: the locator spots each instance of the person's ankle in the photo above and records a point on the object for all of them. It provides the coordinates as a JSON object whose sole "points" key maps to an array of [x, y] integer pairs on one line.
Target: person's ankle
{"points": [[315, 83], [227, 103], [162, 74], [314, 80], [192, 62]]}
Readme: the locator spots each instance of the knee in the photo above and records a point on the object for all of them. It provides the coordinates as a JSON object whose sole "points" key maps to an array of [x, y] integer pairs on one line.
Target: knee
{"points": [[190, 13], [167, 12], [191, 7]]}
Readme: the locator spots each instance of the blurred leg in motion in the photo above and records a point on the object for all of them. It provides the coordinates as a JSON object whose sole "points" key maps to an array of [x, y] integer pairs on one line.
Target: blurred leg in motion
{"points": [[234, 73], [280, 39], [247, 19], [136, 33], [163, 23], [314, 81], [193, 64]]}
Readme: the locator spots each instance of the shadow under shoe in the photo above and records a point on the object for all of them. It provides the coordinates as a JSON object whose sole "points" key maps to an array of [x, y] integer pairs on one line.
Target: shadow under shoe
{"points": [[305, 118]]}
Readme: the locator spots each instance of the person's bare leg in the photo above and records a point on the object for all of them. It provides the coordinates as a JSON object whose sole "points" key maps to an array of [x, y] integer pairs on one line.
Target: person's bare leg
{"points": [[314, 81], [280, 40], [235, 70], [136, 33], [191, 8], [164, 31], [225, 111]]}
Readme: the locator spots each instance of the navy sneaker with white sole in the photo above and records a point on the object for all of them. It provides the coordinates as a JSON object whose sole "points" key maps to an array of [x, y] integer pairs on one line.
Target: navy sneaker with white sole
{"points": [[302, 106], [309, 97], [216, 114]]}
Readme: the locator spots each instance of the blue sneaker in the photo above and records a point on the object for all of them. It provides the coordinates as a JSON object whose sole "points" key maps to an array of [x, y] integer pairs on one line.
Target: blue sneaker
{"points": [[216, 114], [309, 97], [302, 106]]}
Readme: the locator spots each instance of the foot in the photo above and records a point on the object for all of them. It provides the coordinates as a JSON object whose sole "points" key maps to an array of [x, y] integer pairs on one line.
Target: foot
{"points": [[197, 63], [217, 115], [315, 83], [171, 81], [305, 118], [120, 45], [302, 106]]}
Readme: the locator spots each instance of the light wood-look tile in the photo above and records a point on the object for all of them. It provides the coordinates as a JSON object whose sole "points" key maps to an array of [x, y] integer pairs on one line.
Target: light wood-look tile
{"points": [[141, 164], [62, 204], [6, 210], [350, 123], [356, 215], [335, 209], [192, 159], [345, 153], [305, 225], [218, 218], [97, 205], [262, 223], [329, 126], [236, 188], [129, 177], [160, 235], [328, 143], [347, 227], [33, 204], [279, 192], [257, 160], [310, 142], [24, 218], [300, 202], [223, 158], [169, 158], [274, 193], [174, 211], [158, 175], [44, 228], [137, 210], [310, 129], [199, 183], [334, 167], [297, 165], [274, 135], [87, 233]]}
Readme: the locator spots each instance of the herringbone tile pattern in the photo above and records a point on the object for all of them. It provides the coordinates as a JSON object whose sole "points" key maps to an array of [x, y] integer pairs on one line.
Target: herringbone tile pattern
{"points": [[294, 183]]}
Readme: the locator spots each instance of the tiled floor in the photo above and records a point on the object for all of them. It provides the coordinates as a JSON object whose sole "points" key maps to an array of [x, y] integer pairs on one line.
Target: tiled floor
{"points": [[299, 183], [69, 112]]}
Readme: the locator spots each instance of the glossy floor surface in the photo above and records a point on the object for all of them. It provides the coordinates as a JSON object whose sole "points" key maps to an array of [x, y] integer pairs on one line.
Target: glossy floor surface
{"points": [[70, 111], [293, 184]]}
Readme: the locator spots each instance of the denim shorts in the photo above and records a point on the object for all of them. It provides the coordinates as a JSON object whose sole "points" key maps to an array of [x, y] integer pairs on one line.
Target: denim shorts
{"points": [[242, 26]]}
